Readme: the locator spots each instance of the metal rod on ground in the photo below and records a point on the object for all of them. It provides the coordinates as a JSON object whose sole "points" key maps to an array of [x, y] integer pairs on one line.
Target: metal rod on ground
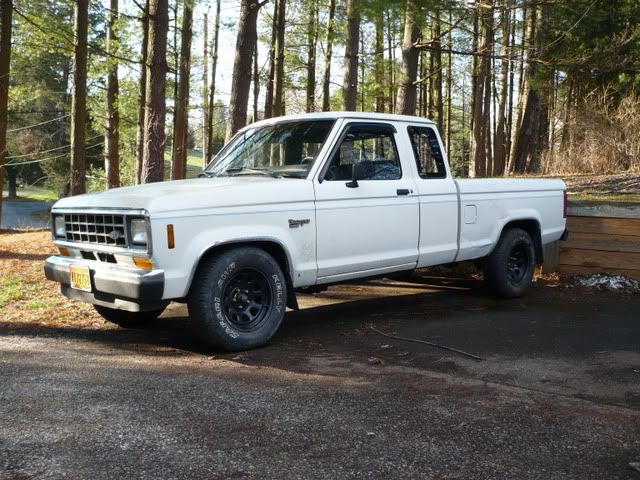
{"points": [[424, 342]]}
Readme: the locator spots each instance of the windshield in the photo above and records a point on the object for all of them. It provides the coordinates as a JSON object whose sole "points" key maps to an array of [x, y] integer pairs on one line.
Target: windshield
{"points": [[280, 150]]}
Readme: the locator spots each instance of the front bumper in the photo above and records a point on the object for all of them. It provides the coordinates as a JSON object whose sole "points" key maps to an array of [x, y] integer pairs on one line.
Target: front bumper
{"points": [[112, 285]]}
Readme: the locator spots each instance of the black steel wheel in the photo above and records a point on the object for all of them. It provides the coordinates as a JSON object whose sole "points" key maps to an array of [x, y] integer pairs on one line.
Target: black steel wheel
{"points": [[518, 263], [238, 298], [508, 270], [246, 300]]}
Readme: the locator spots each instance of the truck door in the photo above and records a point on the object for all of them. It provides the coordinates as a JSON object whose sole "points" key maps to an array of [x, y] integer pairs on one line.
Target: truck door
{"points": [[438, 198], [370, 225]]}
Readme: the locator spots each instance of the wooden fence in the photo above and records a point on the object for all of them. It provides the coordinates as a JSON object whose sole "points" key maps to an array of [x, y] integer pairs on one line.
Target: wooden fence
{"points": [[599, 245]]}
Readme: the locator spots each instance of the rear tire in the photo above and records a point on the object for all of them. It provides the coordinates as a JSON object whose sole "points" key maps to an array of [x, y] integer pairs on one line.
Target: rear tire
{"points": [[128, 319], [508, 270], [238, 298]]}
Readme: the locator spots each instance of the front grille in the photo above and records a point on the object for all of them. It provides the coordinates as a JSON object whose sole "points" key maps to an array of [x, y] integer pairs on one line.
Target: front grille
{"points": [[99, 229]]}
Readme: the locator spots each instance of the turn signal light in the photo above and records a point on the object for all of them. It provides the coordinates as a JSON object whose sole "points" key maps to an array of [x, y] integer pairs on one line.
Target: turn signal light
{"points": [[141, 262], [64, 252]]}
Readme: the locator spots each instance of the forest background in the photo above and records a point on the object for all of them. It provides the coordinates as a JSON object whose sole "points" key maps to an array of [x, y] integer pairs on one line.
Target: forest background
{"points": [[100, 94]]}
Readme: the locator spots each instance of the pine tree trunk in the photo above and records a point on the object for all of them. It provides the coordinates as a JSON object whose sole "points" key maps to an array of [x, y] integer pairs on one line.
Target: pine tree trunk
{"points": [[278, 87], [528, 134], [241, 81], [500, 140], [407, 90], [6, 24], [176, 80], [361, 79], [423, 86], [112, 153], [326, 80], [312, 40], [142, 94], [431, 111], [437, 73], [180, 149], [474, 66], [392, 63], [552, 114], [256, 85], [565, 139], [512, 69], [79, 100], [449, 84], [481, 154], [379, 63], [12, 183], [463, 122], [155, 104], [271, 75], [527, 141], [205, 90], [351, 56], [522, 81], [212, 87]]}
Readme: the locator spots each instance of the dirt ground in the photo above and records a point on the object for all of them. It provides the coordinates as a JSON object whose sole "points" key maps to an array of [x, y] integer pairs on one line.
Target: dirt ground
{"points": [[556, 394]]}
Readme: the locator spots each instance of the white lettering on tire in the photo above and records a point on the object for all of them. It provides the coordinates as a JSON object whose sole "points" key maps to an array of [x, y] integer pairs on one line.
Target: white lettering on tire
{"points": [[227, 271], [279, 293]]}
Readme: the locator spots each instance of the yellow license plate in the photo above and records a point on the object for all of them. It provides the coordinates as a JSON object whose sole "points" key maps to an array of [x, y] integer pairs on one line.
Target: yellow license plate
{"points": [[80, 278]]}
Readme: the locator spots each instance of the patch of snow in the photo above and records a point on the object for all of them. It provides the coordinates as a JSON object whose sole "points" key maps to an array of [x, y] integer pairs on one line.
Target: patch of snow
{"points": [[603, 281]]}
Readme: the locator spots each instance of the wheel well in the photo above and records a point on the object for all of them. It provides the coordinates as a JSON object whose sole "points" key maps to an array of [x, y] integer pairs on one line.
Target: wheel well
{"points": [[532, 227], [274, 249]]}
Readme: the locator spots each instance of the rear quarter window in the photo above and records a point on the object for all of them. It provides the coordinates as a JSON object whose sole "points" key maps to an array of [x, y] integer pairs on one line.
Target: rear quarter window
{"points": [[427, 152]]}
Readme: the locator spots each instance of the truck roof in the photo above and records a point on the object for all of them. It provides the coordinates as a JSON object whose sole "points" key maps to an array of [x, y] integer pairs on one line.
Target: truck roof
{"points": [[350, 115]]}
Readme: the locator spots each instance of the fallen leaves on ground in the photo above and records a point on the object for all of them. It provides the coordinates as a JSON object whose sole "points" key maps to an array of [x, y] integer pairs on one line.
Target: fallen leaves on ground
{"points": [[27, 298]]}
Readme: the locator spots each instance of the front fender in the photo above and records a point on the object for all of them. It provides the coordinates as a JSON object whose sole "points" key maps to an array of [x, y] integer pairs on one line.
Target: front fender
{"points": [[195, 235]]}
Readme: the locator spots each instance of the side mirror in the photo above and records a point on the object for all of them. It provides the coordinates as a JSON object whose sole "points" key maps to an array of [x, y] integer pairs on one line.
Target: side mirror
{"points": [[361, 171]]}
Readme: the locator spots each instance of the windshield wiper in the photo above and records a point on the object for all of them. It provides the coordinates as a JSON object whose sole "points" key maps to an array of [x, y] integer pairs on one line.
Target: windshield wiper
{"points": [[206, 174], [250, 171]]}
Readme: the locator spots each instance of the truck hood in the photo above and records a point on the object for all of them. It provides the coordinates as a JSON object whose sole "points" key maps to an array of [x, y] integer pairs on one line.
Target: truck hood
{"points": [[194, 194]]}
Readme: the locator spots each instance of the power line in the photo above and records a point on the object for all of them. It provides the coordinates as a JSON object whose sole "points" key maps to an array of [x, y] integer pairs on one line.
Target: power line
{"points": [[37, 124], [47, 151], [34, 112], [48, 158], [35, 161]]}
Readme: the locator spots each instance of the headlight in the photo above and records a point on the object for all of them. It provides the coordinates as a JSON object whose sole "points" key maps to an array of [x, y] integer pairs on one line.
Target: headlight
{"points": [[139, 231], [58, 226]]}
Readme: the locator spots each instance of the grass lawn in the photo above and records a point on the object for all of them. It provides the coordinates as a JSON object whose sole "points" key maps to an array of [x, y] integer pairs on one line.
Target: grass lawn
{"points": [[33, 193], [194, 164]]}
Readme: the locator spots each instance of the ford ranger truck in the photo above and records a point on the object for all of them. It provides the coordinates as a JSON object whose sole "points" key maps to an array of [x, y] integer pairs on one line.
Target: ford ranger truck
{"points": [[292, 203]]}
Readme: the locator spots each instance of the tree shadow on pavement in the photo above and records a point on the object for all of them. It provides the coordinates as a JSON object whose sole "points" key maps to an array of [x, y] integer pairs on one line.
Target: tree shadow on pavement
{"points": [[322, 320]]}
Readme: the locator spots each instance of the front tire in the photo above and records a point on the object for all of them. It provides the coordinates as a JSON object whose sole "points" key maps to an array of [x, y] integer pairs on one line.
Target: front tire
{"points": [[508, 270], [128, 319], [238, 299]]}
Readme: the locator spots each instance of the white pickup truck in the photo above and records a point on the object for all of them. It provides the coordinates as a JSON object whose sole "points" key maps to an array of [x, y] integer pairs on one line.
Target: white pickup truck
{"points": [[296, 202]]}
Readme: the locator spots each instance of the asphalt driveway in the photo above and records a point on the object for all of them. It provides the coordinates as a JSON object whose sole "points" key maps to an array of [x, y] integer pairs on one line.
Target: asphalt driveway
{"points": [[25, 214], [557, 394]]}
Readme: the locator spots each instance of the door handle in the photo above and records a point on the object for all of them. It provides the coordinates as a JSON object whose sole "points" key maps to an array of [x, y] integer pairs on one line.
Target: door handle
{"points": [[402, 191]]}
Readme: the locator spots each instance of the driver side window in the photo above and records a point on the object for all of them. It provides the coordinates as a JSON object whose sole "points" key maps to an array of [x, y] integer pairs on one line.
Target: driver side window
{"points": [[371, 143]]}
